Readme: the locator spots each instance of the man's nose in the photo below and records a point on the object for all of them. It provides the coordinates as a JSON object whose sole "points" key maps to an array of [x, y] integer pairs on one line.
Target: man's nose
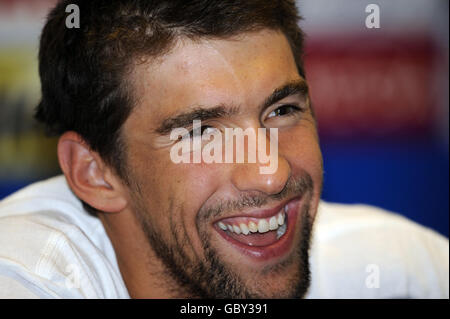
{"points": [[248, 176]]}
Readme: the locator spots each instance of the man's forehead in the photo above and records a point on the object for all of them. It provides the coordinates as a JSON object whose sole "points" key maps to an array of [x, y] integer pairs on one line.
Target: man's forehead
{"points": [[216, 72]]}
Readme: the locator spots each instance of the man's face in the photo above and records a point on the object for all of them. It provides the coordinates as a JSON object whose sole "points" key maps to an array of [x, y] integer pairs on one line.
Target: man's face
{"points": [[182, 207]]}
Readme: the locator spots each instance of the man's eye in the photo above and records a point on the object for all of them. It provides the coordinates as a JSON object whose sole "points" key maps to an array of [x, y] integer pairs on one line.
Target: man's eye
{"points": [[284, 110]]}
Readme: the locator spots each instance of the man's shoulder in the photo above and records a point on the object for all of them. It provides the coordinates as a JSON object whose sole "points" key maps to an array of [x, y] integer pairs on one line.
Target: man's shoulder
{"points": [[51, 247], [357, 240], [52, 193], [43, 210], [341, 220]]}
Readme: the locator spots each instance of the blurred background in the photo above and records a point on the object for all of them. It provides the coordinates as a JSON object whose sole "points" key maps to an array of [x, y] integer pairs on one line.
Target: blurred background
{"points": [[380, 94]]}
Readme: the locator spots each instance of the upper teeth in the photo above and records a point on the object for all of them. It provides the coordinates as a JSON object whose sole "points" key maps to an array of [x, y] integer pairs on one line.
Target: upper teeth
{"points": [[261, 225]]}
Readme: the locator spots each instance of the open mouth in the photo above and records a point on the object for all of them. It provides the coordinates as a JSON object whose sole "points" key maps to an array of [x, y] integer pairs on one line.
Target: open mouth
{"points": [[256, 231], [264, 234]]}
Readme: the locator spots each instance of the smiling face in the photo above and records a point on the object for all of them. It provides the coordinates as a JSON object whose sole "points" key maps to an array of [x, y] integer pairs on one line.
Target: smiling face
{"points": [[226, 230]]}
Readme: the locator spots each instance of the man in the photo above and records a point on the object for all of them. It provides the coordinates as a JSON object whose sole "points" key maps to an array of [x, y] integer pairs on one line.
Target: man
{"points": [[126, 220]]}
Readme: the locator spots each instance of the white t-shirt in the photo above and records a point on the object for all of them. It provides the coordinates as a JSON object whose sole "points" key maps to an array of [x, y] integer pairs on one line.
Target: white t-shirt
{"points": [[50, 247]]}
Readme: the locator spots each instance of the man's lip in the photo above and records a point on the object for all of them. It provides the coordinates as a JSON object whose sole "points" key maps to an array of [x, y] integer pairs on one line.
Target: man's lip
{"points": [[262, 213], [276, 250]]}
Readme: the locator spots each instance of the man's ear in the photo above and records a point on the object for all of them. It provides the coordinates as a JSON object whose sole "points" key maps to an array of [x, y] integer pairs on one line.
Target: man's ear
{"points": [[88, 176]]}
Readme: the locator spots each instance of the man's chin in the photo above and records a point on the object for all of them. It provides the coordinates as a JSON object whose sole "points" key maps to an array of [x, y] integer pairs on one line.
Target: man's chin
{"points": [[289, 279], [288, 282]]}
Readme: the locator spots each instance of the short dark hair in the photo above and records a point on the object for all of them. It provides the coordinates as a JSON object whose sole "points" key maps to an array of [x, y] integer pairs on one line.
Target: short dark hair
{"points": [[84, 71]]}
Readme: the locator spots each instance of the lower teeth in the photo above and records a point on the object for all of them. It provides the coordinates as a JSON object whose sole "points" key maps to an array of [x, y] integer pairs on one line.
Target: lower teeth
{"points": [[282, 229]]}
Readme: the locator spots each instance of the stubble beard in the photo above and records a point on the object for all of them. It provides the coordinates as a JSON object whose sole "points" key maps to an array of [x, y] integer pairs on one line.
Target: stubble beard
{"points": [[214, 278]]}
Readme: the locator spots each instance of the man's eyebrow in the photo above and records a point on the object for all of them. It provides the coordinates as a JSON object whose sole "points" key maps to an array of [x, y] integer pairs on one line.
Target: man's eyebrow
{"points": [[291, 88], [199, 113]]}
